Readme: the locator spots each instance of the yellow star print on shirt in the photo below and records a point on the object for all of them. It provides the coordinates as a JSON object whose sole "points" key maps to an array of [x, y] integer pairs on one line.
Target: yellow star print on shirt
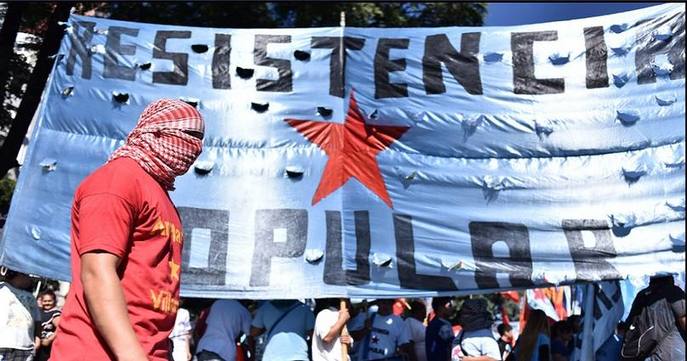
{"points": [[174, 270]]}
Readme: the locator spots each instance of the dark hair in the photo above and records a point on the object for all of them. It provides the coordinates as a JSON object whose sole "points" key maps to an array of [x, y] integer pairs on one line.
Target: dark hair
{"points": [[661, 280], [574, 320], [440, 302], [418, 308], [48, 292], [537, 323], [324, 303], [503, 328], [560, 327]]}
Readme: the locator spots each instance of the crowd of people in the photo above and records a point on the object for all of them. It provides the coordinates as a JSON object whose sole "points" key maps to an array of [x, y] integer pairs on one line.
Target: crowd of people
{"points": [[384, 329], [27, 323]]}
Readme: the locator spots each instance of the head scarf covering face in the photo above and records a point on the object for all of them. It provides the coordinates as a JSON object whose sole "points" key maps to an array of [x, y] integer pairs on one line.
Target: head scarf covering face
{"points": [[159, 142]]}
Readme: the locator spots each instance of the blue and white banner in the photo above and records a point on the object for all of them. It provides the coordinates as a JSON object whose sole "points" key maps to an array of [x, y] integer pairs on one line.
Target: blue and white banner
{"points": [[382, 162], [603, 309]]}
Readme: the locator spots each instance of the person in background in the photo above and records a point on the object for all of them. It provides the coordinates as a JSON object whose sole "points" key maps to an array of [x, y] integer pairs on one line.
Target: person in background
{"points": [[384, 336], [400, 306], [288, 324], [181, 336], [534, 343], [476, 339], [19, 317], [415, 321], [610, 350], [50, 318], [226, 322], [327, 338], [665, 304], [357, 327], [561, 337], [505, 340], [439, 334], [575, 322], [126, 242]]}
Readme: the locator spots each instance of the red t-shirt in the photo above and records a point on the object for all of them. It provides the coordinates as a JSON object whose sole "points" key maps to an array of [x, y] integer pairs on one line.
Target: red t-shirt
{"points": [[122, 210]]}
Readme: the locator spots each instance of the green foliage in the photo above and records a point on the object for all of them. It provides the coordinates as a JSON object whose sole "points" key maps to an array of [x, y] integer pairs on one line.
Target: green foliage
{"points": [[287, 14], [34, 21], [207, 14], [234, 15], [494, 303], [6, 190]]}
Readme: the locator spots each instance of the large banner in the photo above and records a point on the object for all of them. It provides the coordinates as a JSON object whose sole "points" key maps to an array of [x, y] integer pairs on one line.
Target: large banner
{"points": [[380, 162]]}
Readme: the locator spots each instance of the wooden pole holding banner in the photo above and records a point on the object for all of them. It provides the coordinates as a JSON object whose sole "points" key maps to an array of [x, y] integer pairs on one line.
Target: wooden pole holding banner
{"points": [[342, 302], [344, 332]]}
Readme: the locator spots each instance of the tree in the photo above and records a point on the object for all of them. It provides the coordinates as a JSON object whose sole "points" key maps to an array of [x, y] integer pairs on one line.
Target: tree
{"points": [[29, 103], [208, 14], [11, 65], [398, 14]]}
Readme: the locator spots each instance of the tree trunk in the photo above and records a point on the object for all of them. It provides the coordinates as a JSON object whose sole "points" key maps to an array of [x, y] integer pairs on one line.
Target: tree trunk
{"points": [[32, 97], [8, 35]]}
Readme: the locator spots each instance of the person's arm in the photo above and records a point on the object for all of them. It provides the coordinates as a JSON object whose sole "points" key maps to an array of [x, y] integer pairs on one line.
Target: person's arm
{"points": [[107, 305], [250, 340], [37, 330], [187, 347], [336, 328], [361, 333], [677, 304]]}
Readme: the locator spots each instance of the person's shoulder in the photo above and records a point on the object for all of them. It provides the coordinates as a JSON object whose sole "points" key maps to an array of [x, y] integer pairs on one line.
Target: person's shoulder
{"points": [[119, 177], [413, 322], [54, 311], [327, 312], [675, 293]]}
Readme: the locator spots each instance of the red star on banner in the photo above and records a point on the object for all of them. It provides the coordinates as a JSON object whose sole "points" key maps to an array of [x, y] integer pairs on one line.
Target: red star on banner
{"points": [[352, 148]]}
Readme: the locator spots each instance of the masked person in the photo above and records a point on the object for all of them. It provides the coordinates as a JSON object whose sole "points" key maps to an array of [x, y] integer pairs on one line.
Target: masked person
{"points": [[126, 242]]}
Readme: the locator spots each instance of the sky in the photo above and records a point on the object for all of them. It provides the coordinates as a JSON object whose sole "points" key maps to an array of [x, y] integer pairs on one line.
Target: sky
{"points": [[501, 14]]}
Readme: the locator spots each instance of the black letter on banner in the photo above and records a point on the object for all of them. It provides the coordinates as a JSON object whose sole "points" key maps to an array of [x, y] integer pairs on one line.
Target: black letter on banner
{"points": [[597, 57], [464, 66], [295, 222], [283, 84], [383, 66], [333, 263], [518, 264], [80, 46], [590, 263], [405, 257], [337, 60], [675, 48], [602, 297], [221, 59], [217, 221], [180, 74], [113, 47], [524, 81]]}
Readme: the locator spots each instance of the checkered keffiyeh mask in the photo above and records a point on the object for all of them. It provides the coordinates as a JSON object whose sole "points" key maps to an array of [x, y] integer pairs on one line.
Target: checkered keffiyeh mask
{"points": [[160, 142]]}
